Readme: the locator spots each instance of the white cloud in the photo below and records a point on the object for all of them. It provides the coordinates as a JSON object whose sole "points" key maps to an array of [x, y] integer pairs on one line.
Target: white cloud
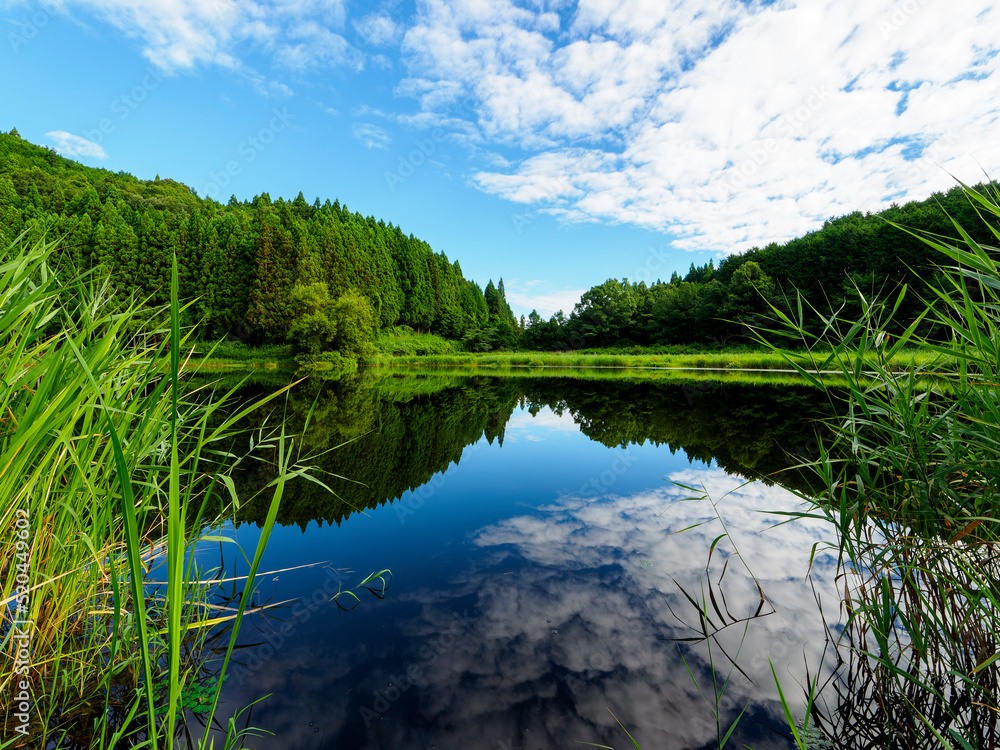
{"points": [[179, 35], [377, 29], [545, 420], [547, 303], [74, 146], [366, 110], [316, 46], [724, 123], [372, 135]]}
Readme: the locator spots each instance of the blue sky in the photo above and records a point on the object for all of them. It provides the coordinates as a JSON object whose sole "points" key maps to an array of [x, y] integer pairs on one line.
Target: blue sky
{"points": [[554, 143]]}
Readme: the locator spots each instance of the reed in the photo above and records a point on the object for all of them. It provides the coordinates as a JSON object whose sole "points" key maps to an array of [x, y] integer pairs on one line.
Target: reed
{"points": [[108, 470], [913, 484]]}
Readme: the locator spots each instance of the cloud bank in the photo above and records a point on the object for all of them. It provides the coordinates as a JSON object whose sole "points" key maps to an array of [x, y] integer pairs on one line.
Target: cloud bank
{"points": [[723, 123]]}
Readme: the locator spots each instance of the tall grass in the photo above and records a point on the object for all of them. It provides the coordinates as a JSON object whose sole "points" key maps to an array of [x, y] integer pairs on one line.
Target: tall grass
{"points": [[107, 470], [913, 481]]}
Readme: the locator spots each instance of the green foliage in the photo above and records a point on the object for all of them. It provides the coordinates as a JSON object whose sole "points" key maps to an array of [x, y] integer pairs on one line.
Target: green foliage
{"points": [[327, 364], [480, 340], [107, 466], [501, 330], [849, 257], [605, 314], [312, 330], [392, 434], [354, 319], [238, 351], [910, 484], [330, 334], [403, 341], [239, 262]]}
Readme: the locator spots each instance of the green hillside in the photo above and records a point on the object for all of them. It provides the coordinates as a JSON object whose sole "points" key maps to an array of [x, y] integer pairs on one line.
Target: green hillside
{"points": [[282, 271], [240, 261], [858, 254]]}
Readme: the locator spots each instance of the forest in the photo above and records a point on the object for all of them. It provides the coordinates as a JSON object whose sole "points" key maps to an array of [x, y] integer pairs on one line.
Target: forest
{"points": [[860, 254], [326, 281], [260, 271]]}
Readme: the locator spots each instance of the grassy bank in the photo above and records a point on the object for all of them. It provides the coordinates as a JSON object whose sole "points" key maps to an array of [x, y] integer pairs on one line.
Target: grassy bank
{"points": [[235, 355], [401, 347], [416, 377]]}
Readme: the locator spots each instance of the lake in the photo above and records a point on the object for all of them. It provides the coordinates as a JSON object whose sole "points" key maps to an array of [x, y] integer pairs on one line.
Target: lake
{"points": [[551, 574]]}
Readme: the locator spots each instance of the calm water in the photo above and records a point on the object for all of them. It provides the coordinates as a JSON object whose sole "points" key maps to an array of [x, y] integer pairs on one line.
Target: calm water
{"points": [[535, 530]]}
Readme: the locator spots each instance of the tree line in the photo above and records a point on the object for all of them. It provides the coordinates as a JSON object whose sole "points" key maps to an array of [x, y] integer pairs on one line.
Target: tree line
{"points": [[831, 268], [325, 279], [264, 271]]}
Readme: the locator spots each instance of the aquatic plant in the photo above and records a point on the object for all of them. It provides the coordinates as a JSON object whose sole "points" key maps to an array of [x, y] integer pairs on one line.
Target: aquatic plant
{"points": [[108, 470], [912, 482]]}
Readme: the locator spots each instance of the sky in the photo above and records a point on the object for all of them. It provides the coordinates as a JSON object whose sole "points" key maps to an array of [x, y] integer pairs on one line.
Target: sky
{"points": [[553, 143]]}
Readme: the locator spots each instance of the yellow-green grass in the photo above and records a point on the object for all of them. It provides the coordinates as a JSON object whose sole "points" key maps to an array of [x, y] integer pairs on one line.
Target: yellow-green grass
{"points": [[106, 469], [404, 341]]}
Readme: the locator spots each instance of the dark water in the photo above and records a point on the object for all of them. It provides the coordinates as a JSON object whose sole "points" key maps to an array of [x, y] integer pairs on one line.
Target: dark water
{"points": [[540, 574]]}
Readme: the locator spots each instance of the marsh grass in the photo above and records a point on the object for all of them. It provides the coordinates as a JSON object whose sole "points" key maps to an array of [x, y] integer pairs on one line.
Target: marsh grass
{"points": [[714, 618], [913, 483], [402, 341], [107, 470]]}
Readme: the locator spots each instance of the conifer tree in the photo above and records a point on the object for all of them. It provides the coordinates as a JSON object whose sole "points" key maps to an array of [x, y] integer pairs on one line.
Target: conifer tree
{"points": [[10, 211]]}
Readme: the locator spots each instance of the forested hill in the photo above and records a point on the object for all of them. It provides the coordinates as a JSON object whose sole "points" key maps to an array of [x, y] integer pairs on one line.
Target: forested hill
{"points": [[859, 252], [241, 260]]}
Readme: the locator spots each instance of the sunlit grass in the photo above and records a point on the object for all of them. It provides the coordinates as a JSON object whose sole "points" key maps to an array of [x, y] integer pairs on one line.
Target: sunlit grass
{"points": [[912, 486], [402, 341], [106, 468], [430, 379], [720, 360]]}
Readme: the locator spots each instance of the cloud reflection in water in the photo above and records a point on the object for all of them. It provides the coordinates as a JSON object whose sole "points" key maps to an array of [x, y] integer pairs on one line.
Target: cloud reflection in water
{"points": [[568, 622]]}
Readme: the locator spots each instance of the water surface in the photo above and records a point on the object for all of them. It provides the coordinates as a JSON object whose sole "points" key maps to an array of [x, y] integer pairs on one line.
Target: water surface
{"points": [[545, 553]]}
